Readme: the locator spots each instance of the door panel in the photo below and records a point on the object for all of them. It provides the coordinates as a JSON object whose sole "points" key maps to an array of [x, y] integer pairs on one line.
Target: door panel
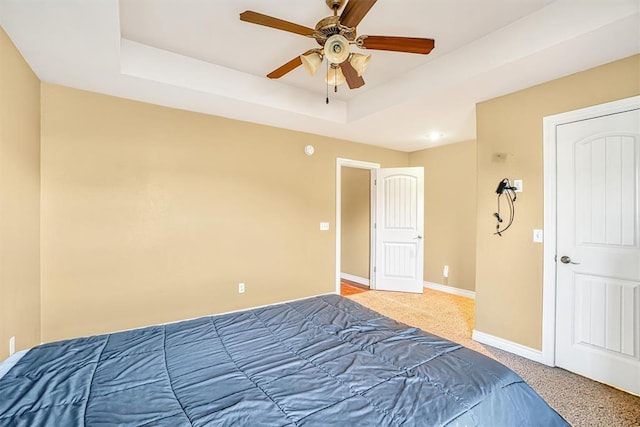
{"points": [[604, 314], [606, 191], [598, 269], [399, 223]]}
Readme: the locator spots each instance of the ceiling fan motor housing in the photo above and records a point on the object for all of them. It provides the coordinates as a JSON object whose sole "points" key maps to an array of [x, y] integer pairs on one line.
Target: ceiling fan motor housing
{"points": [[330, 26]]}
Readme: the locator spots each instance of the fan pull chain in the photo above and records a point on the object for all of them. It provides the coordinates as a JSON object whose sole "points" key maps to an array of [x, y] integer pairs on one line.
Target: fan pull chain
{"points": [[327, 86]]}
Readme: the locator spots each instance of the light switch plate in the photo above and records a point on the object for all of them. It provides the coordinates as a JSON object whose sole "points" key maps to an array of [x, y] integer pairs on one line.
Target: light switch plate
{"points": [[324, 226], [537, 236]]}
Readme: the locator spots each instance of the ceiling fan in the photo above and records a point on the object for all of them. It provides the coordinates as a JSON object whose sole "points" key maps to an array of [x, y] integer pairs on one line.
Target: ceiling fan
{"points": [[335, 34]]}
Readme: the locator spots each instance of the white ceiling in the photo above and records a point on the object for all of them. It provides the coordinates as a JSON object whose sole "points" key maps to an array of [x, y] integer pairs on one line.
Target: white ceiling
{"points": [[197, 55]]}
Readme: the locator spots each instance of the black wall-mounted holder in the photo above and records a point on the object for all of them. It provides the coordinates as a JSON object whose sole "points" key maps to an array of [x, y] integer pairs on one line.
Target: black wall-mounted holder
{"points": [[505, 187]]}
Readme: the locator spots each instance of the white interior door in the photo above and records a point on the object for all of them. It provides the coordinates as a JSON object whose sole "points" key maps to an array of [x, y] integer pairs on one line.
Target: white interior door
{"points": [[399, 226], [598, 249]]}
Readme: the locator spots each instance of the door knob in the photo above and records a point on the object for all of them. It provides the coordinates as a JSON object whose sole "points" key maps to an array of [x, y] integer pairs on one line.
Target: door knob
{"points": [[418, 237], [567, 260]]}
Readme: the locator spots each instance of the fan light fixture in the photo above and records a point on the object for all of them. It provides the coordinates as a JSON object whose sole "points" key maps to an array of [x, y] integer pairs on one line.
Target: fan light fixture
{"points": [[311, 62], [335, 77], [336, 49], [359, 62]]}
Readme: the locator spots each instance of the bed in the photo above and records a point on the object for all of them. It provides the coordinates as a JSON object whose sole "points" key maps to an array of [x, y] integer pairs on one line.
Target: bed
{"points": [[322, 361]]}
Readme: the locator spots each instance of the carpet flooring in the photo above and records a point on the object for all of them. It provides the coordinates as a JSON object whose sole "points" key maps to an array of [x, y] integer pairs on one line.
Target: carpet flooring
{"points": [[581, 401]]}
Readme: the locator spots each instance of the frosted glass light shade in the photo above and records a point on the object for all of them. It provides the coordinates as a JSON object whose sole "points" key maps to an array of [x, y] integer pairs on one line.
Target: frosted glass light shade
{"points": [[359, 62], [335, 77], [311, 62], [336, 49]]}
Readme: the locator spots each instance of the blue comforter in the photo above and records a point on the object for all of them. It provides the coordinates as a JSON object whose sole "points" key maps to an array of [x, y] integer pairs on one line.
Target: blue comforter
{"points": [[323, 361]]}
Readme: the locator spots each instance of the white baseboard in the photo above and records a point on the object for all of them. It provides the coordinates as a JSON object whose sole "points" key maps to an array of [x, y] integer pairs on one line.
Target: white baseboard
{"points": [[356, 279], [506, 345], [450, 290]]}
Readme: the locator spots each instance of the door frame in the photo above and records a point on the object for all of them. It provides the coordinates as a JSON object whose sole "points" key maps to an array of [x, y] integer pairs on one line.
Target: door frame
{"points": [[340, 162], [550, 210]]}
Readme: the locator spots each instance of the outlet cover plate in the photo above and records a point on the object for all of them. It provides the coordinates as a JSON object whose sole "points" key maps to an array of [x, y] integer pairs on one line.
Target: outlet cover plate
{"points": [[518, 184]]}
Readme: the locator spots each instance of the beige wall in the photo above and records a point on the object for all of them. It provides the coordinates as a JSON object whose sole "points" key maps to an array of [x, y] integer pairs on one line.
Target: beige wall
{"points": [[355, 246], [19, 200], [151, 214], [509, 268], [449, 212]]}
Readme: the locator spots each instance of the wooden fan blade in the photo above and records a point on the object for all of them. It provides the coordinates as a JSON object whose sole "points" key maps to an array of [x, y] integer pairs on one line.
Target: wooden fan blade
{"points": [[353, 79], [354, 11], [397, 44], [289, 66], [279, 24]]}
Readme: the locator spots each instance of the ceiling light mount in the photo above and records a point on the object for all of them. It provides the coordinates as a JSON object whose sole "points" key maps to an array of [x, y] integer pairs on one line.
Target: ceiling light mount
{"points": [[335, 5], [435, 136]]}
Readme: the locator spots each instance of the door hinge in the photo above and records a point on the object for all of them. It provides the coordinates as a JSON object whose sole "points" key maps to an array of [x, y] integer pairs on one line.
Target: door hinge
{"points": [[374, 269], [375, 226], [375, 182]]}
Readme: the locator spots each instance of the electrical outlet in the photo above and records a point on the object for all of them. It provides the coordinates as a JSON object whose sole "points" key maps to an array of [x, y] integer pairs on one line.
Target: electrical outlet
{"points": [[12, 346], [241, 288], [445, 271]]}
